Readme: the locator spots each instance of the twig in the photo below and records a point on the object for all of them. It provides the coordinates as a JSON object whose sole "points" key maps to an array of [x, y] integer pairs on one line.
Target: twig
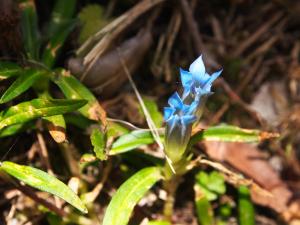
{"points": [[256, 35], [195, 34]]}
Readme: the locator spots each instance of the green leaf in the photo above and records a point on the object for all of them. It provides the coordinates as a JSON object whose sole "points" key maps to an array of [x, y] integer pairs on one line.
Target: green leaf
{"points": [[159, 222], [78, 121], [62, 12], [43, 181], [9, 69], [115, 130], [246, 208], [211, 184], [73, 89], [53, 48], [60, 25], [127, 196], [203, 208], [153, 111], [36, 108], [131, 141], [229, 133], [99, 143], [15, 129], [21, 84], [29, 25]]}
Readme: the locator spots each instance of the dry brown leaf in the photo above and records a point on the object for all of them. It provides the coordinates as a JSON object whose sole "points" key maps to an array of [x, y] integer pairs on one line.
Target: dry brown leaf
{"points": [[247, 159]]}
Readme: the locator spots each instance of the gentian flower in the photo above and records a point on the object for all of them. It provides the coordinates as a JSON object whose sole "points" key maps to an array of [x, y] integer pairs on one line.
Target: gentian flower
{"points": [[185, 111], [179, 119], [197, 84]]}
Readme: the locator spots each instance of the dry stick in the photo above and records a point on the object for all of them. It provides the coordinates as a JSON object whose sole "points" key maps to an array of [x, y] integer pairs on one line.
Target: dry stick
{"points": [[256, 35], [193, 28], [44, 153], [234, 98], [218, 34], [172, 32]]}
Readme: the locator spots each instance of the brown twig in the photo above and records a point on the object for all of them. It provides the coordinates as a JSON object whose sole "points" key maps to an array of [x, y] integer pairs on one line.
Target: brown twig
{"points": [[195, 34], [256, 35]]}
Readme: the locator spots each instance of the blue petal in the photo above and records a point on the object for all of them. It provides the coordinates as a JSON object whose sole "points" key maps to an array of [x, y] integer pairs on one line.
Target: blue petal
{"points": [[197, 67], [188, 119], [168, 112], [212, 78], [173, 121], [186, 78], [175, 101]]}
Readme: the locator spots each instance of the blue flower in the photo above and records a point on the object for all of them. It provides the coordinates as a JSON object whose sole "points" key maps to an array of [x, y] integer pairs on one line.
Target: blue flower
{"points": [[183, 112], [179, 119], [197, 82]]}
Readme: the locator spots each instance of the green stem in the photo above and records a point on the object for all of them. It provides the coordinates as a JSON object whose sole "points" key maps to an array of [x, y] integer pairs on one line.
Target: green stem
{"points": [[171, 187]]}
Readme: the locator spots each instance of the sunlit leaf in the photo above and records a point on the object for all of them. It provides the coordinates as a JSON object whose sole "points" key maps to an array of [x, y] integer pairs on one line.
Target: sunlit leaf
{"points": [[131, 141], [153, 111], [36, 108], [229, 133], [73, 89], [43, 181], [15, 129], [127, 196]]}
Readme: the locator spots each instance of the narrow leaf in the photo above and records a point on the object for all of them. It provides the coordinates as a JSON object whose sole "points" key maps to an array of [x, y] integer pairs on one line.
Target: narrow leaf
{"points": [[21, 84], [120, 207], [73, 89], [52, 49], [60, 25], [9, 69], [159, 222], [15, 129], [229, 133], [29, 25], [153, 111], [131, 141], [43, 181], [26, 111]]}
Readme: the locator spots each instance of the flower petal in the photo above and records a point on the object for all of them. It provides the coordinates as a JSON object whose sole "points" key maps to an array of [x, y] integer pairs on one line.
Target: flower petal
{"points": [[186, 78], [173, 121], [188, 119], [168, 112], [212, 78], [197, 67], [175, 101]]}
